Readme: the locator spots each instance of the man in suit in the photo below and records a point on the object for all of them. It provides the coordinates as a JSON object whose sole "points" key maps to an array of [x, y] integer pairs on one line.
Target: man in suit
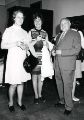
{"points": [[67, 47]]}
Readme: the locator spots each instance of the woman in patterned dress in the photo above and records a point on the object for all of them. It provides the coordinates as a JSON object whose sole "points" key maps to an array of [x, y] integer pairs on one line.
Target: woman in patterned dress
{"points": [[15, 39], [38, 38]]}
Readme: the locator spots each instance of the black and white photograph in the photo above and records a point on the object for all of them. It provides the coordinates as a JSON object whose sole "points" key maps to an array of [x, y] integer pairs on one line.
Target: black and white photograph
{"points": [[41, 59]]}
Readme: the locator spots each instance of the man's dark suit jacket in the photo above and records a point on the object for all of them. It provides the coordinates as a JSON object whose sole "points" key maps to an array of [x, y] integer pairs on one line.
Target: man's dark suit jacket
{"points": [[70, 46]]}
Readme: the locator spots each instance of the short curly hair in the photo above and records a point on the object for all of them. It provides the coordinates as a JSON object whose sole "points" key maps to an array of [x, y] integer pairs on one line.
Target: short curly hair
{"points": [[16, 12]]}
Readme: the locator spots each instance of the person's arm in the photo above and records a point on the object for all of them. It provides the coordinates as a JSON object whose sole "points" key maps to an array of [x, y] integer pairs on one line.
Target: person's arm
{"points": [[7, 45], [48, 43], [30, 46], [32, 50], [82, 39], [6, 40], [30, 39], [33, 42]]}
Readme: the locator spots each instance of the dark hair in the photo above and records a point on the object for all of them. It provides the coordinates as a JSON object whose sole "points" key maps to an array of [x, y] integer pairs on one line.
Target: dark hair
{"points": [[38, 14], [16, 12]]}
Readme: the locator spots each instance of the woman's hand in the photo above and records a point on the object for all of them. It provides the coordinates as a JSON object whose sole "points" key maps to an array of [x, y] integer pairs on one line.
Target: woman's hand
{"points": [[18, 43], [39, 37], [21, 45]]}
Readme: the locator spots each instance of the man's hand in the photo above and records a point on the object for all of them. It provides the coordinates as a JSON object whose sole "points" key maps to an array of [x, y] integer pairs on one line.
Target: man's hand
{"points": [[53, 52]]}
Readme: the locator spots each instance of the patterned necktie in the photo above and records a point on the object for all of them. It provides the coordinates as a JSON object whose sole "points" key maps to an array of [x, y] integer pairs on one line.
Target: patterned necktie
{"points": [[61, 36]]}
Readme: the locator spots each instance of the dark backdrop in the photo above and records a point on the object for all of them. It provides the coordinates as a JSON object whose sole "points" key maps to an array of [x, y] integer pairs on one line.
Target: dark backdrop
{"points": [[28, 22]]}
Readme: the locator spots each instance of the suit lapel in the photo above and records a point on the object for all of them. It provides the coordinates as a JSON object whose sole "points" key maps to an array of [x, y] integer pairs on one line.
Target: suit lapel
{"points": [[57, 39], [61, 38]]}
